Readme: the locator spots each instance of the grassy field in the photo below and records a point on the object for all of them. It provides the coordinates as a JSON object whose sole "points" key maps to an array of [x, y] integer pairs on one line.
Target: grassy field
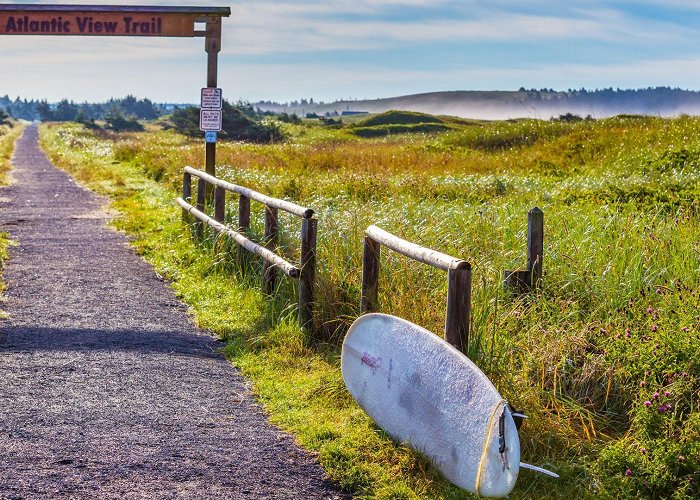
{"points": [[604, 358]]}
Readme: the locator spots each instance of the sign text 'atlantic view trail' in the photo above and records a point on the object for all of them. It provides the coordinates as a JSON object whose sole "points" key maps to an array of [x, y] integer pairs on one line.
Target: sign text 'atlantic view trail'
{"points": [[97, 24]]}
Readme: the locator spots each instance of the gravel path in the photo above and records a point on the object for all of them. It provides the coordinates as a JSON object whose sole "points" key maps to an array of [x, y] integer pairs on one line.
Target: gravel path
{"points": [[108, 391]]}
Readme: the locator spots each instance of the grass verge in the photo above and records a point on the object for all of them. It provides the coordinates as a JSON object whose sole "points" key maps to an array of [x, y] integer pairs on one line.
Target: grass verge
{"points": [[8, 136]]}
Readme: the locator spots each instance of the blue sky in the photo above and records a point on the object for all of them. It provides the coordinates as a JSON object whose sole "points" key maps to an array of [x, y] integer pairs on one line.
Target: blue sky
{"points": [[331, 49]]}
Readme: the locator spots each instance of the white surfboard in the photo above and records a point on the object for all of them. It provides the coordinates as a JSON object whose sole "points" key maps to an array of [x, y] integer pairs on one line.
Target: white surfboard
{"points": [[424, 392]]}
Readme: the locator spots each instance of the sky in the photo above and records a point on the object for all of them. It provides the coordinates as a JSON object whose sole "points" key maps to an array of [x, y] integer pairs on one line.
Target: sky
{"points": [[283, 50]]}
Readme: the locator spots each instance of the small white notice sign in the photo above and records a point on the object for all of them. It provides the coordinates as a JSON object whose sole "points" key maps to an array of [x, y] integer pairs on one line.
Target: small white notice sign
{"points": [[210, 120], [211, 98]]}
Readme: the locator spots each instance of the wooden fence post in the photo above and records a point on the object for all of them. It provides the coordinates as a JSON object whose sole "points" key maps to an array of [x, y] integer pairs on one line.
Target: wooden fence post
{"points": [[243, 226], [523, 281], [307, 278], [535, 240], [269, 271], [186, 193], [201, 199], [459, 305], [370, 275], [219, 204]]}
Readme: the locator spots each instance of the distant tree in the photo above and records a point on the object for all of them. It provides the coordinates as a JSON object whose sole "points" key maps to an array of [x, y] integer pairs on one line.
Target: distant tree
{"points": [[65, 111], [83, 119], [118, 122], [4, 117], [569, 117], [146, 110], [44, 111], [289, 118]]}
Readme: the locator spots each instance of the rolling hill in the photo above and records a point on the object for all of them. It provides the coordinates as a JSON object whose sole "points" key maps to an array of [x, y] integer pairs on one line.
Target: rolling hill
{"points": [[498, 105]]}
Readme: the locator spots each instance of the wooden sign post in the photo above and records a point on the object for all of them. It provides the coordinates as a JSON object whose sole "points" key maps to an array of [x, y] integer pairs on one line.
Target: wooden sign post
{"points": [[126, 20]]}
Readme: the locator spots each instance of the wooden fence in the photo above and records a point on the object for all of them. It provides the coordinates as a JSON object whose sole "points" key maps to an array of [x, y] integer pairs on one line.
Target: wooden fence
{"points": [[305, 272], [459, 280], [522, 281]]}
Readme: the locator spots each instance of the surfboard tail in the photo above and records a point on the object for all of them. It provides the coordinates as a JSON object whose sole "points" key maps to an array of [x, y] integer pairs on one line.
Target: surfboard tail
{"points": [[539, 469]]}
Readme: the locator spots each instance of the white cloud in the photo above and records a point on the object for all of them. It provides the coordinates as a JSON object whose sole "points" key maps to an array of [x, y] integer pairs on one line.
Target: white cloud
{"points": [[270, 28]]}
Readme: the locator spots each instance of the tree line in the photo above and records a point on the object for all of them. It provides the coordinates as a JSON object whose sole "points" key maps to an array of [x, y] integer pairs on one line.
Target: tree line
{"points": [[241, 121], [65, 110]]}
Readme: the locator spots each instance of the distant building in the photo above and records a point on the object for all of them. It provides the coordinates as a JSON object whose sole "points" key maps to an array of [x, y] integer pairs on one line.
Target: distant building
{"points": [[350, 113]]}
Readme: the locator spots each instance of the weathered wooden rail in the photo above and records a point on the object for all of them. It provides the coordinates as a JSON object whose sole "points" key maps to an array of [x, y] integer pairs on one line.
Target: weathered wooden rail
{"points": [[459, 280], [305, 272], [522, 281]]}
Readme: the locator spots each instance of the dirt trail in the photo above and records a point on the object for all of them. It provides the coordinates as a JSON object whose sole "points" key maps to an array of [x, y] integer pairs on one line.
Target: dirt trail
{"points": [[108, 391]]}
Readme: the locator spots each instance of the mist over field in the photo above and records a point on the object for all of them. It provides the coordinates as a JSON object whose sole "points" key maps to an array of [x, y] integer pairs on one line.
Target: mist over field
{"points": [[502, 105]]}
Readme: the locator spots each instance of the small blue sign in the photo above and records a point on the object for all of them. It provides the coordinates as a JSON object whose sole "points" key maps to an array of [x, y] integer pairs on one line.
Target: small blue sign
{"points": [[210, 136]]}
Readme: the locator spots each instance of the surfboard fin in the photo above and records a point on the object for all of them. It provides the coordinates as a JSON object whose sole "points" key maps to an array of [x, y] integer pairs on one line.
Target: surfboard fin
{"points": [[539, 469], [518, 416]]}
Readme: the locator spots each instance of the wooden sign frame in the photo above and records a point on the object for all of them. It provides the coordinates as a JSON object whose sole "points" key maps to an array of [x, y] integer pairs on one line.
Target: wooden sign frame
{"points": [[122, 20]]}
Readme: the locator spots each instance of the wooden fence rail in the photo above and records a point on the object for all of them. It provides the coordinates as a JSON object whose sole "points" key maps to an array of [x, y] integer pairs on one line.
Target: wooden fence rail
{"points": [[305, 272], [459, 280]]}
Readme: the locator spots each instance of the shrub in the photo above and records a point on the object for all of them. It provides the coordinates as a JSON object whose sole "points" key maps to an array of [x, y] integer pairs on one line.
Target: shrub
{"points": [[399, 118], [119, 123], [236, 125], [383, 130], [4, 117]]}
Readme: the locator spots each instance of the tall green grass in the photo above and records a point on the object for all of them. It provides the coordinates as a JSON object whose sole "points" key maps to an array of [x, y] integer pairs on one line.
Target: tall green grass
{"points": [[614, 326], [8, 136]]}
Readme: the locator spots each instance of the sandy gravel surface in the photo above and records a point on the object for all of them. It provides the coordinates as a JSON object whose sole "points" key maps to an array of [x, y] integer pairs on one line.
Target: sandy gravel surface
{"points": [[108, 391]]}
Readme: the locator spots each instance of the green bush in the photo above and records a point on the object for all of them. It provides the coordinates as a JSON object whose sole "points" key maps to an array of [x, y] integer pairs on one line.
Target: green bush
{"points": [[119, 123], [399, 118], [384, 130], [237, 124], [4, 117]]}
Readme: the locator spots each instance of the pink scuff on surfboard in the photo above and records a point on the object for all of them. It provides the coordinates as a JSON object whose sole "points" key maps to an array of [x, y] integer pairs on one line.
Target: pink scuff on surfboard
{"points": [[424, 392]]}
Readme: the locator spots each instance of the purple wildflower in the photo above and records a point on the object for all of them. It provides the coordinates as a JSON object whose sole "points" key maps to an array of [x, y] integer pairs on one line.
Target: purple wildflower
{"points": [[662, 408], [628, 472], [647, 403], [667, 393], [656, 396]]}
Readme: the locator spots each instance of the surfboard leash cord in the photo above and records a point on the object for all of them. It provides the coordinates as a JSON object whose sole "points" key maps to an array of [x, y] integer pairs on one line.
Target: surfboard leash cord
{"points": [[484, 451]]}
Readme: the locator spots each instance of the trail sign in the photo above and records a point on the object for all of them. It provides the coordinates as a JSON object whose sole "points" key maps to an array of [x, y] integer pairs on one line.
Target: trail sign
{"points": [[127, 20], [210, 137], [210, 119], [210, 98], [105, 20]]}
